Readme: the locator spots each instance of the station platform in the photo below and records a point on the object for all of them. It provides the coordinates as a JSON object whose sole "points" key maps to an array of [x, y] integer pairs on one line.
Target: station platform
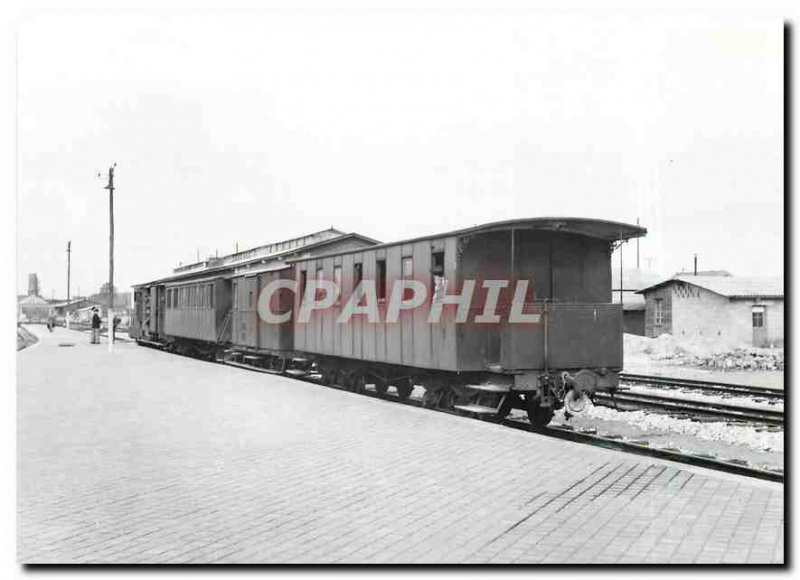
{"points": [[139, 456]]}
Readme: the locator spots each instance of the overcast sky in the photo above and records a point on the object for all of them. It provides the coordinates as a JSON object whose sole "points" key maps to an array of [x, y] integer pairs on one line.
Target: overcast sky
{"points": [[259, 127]]}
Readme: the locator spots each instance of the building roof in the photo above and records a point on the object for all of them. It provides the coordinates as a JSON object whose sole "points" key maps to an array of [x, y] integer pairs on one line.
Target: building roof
{"points": [[730, 286], [257, 258], [270, 249], [33, 300], [704, 273], [73, 302]]}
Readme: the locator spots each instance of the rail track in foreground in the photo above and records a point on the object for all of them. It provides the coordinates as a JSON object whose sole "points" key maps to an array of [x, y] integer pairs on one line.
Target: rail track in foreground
{"points": [[630, 400], [704, 386], [608, 442]]}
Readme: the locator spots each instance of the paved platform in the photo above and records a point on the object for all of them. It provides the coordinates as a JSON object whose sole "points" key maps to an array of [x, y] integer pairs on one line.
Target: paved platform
{"points": [[139, 456]]}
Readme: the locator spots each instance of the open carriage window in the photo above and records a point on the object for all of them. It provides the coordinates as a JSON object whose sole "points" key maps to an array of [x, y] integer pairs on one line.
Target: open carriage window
{"points": [[381, 279], [437, 275]]}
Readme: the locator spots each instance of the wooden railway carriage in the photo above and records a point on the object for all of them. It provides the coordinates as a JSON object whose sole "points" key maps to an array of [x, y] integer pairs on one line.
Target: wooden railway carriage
{"points": [[211, 306], [570, 345], [479, 367]]}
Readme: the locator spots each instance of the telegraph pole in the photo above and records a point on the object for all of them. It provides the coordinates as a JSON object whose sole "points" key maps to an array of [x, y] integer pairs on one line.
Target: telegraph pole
{"points": [[110, 188], [66, 310]]}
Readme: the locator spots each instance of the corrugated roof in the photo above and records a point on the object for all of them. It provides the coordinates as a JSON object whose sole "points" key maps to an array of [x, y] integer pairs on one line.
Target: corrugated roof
{"points": [[731, 286]]}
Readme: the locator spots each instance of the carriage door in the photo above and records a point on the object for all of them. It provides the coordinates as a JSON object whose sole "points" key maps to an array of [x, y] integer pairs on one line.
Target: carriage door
{"points": [[235, 316], [162, 308], [249, 298], [151, 324]]}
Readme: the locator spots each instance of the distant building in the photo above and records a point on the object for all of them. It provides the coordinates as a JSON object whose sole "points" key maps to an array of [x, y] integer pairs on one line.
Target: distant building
{"points": [[33, 308], [703, 273], [633, 304], [733, 308], [65, 308]]}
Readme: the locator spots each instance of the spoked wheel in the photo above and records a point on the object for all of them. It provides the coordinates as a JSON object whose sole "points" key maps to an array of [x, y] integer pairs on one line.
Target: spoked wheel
{"points": [[429, 397], [446, 399], [404, 388], [538, 416], [381, 387]]}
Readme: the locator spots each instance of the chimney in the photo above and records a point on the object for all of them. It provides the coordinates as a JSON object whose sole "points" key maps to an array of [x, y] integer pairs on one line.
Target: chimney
{"points": [[695, 264]]}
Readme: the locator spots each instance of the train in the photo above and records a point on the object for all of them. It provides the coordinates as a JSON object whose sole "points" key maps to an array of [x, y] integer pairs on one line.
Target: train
{"points": [[500, 316]]}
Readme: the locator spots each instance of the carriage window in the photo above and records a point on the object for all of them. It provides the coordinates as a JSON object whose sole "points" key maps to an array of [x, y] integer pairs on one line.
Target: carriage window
{"points": [[302, 285], [236, 295], [337, 280], [408, 274], [437, 275], [211, 296], [250, 299], [408, 268], [320, 276], [381, 279], [169, 298], [437, 263], [358, 274]]}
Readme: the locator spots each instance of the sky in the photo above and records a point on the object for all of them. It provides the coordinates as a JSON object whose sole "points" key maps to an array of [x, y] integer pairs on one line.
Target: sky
{"points": [[233, 128]]}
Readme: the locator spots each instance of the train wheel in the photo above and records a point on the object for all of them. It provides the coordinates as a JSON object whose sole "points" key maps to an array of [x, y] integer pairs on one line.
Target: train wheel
{"points": [[538, 416], [381, 387], [404, 389], [429, 398], [446, 400]]}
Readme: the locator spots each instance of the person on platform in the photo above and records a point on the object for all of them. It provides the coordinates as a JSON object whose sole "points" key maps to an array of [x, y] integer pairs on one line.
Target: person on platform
{"points": [[95, 326]]}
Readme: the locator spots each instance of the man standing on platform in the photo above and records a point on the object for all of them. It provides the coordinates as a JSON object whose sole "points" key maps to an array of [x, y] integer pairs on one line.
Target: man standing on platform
{"points": [[95, 326]]}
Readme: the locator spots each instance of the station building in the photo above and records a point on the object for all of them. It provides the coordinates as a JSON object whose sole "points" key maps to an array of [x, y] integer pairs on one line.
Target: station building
{"points": [[633, 303], [734, 308]]}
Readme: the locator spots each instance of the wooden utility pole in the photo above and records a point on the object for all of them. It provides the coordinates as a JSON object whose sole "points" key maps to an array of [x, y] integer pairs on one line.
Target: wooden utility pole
{"points": [[110, 188], [66, 310]]}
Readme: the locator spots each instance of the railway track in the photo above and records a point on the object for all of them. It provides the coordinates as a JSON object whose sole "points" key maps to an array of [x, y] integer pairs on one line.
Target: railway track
{"points": [[705, 386], [628, 400], [608, 442]]}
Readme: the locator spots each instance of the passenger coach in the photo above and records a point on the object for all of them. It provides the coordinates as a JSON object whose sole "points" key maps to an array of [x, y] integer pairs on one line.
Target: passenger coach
{"points": [[569, 345]]}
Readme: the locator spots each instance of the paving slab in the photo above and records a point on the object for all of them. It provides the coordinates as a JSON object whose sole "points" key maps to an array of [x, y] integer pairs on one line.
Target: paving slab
{"points": [[139, 456]]}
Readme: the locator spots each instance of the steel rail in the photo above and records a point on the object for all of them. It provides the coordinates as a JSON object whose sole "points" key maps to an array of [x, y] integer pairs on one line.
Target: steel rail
{"points": [[713, 386], [707, 408]]}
